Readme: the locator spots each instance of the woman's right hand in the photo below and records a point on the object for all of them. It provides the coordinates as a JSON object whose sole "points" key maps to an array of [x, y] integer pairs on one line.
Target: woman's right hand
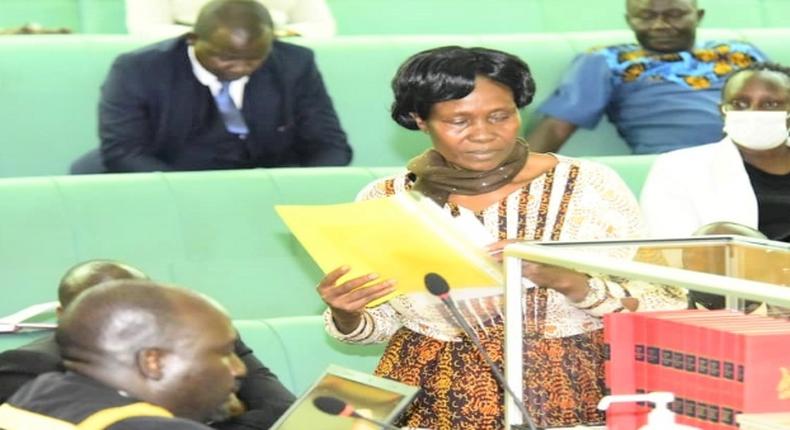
{"points": [[347, 300]]}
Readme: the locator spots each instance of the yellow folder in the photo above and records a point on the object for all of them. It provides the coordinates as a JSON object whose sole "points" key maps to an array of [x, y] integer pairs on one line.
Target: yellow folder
{"points": [[402, 237]]}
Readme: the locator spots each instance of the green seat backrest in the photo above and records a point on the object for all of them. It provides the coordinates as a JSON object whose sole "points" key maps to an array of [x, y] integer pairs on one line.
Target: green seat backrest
{"points": [[772, 41], [36, 241], [50, 92], [49, 14], [269, 347], [216, 232], [366, 17], [774, 13], [103, 16], [308, 349]]}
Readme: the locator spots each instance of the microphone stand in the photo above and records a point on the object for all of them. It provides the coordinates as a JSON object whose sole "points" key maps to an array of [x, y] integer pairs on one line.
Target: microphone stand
{"points": [[529, 425]]}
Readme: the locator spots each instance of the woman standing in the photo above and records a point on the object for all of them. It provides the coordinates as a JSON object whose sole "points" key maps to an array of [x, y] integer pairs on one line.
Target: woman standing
{"points": [[467, 101]]}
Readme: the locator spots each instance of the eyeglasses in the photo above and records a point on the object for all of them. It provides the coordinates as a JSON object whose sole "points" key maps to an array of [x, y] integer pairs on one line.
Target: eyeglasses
{"points": [[741, 105]]}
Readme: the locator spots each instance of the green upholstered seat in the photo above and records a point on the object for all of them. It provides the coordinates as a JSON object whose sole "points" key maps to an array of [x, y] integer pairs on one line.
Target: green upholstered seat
{"points": [[309, 350], [772, 41], [50, 92], [269, 347], [47, 13], [102, 16], [216, 232], [773, 13], [365, 17], [36, 242]]}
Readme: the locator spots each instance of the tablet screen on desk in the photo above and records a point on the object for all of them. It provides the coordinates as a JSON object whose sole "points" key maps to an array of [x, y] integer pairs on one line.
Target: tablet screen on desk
{"points": [[375, 397]]}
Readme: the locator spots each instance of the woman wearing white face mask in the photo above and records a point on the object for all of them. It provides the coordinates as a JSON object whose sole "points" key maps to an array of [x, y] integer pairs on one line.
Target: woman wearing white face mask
{"points": [[744, 178]]}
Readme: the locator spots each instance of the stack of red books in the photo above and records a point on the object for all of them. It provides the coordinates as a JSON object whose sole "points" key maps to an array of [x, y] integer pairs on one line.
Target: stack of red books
{"points": [[717, 363]]}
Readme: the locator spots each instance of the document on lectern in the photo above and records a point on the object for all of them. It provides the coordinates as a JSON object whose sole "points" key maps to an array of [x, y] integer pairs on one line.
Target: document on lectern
{"points": [[402, 237]]}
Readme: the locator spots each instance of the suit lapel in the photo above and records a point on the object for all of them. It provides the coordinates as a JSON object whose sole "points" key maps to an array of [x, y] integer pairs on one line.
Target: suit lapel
{"points": [[267, 108], [187, 96]]}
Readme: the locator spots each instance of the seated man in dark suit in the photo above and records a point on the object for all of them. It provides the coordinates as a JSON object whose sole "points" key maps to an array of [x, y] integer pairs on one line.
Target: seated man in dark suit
{"points": [[262, 396], [225, 96], [138, 355]]}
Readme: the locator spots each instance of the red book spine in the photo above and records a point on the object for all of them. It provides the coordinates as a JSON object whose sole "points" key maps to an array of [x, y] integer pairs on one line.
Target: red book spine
{"points": [[620, 370], [653, 357], [708, 390], [672, 330]]}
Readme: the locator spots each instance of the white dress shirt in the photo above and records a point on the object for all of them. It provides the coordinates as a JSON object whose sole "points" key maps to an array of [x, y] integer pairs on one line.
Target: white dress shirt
{"points": [[208, 79]]}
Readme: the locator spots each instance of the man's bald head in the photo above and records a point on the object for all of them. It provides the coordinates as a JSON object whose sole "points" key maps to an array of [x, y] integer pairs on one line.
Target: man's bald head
{"points": [[164, 345], [93, 272], [115, 317], [248, 16]]}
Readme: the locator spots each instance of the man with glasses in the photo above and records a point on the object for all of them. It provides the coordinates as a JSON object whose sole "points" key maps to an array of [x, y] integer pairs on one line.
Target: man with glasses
{"points": [[744, 178], [661, 94]]}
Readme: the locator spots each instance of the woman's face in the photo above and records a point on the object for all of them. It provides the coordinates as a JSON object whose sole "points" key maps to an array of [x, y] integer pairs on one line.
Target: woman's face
{"points": [[477, 132], [761, 91]]}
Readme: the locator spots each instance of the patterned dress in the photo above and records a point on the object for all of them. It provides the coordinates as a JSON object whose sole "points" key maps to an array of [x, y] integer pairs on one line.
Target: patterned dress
{"points": [[563, 348]]}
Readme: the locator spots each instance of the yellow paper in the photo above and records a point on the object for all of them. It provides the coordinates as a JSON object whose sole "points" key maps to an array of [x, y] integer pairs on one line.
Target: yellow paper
{"points": [[403, 237]]}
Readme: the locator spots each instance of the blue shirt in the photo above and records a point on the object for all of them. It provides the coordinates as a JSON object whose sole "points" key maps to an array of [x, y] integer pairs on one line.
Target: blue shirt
{"points": [[658, 102]]}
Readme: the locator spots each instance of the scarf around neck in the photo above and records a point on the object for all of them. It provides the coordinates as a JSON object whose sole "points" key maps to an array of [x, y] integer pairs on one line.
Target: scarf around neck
{"points": [[437, 179]]}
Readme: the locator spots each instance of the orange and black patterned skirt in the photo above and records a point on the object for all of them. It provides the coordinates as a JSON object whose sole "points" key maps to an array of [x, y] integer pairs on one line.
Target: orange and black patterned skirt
{"points": [[563, 380]]}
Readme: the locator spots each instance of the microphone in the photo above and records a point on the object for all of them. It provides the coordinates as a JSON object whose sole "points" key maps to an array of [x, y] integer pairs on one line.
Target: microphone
{"points": [[334, 406], [438, 286]]}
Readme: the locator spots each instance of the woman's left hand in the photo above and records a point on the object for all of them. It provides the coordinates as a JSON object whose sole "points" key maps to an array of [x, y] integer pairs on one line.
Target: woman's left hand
{"points": [[568, 282]]}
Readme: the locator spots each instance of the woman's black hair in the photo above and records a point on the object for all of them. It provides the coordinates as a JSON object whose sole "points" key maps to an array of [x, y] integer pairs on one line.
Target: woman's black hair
{"points": [[448, 73]]}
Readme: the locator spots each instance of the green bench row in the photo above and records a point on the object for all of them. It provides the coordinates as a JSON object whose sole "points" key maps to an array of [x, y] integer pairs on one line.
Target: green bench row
{"points": [[298, 349], [50, 88], [355, 17], [216, 232]]}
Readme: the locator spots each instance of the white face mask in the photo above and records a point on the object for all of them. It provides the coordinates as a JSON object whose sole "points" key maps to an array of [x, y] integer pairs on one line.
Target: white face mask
{"points": [[757, 129]]}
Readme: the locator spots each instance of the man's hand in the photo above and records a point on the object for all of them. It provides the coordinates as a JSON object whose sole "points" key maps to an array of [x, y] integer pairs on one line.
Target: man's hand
{"points": [[550, 134]]}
